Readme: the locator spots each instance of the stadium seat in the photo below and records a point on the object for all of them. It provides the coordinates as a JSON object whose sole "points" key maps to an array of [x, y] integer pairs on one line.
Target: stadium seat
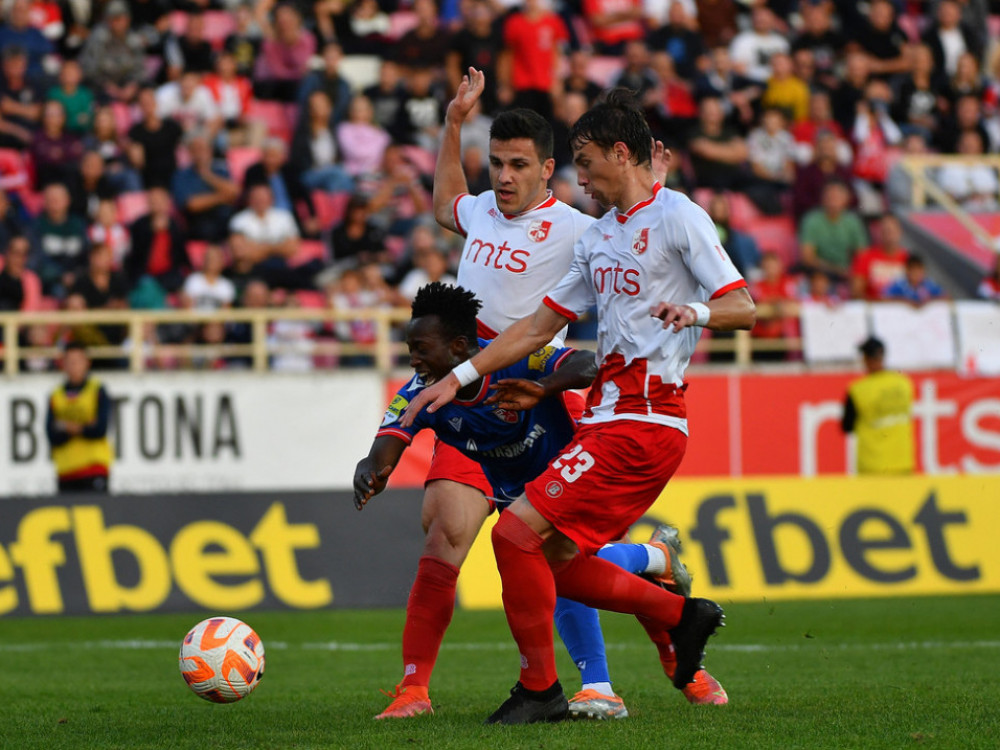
{"points": [[123, 117], [196, 250], [32, 286], [330, 207], [777, 234], [274, 115], [131, 206], [178, 22], [742, 211], [218, 25], [239, 159], [308, 250], [604, 70], [421, 158], [14, 172], [311, 299]]}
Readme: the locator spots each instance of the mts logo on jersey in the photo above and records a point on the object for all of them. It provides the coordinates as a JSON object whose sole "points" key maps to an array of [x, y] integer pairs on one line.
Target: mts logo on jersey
{"points": [[539, 230], [497, 256], [616, 280]]}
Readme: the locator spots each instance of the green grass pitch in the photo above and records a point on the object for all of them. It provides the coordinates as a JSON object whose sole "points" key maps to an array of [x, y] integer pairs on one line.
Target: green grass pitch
{"points": [[886, 673]]}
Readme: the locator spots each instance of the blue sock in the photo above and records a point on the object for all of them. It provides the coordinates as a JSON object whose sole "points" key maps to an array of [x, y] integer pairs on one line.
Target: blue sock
{"points": [[580, 629], [631, 557]]}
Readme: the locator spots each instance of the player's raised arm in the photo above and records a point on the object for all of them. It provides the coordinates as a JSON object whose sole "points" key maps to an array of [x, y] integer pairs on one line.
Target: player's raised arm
{"points": [[516, 342], [729, 312], [449, 178], [372, 472]]}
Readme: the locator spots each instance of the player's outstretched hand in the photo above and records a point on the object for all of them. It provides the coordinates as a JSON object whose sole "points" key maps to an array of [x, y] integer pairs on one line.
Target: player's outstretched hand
{"points": [[368, 482], [516, 394], [469, 91], [676, 316], [433, 397]]}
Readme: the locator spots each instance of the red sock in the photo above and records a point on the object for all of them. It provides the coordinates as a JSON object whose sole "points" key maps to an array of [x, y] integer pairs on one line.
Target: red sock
{"points": [[529, 598], [428, 614], [664, 647], [598, 583]]}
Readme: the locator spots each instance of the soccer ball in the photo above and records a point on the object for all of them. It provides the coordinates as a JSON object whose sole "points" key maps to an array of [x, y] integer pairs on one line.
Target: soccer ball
{"points": [[222, 659]]}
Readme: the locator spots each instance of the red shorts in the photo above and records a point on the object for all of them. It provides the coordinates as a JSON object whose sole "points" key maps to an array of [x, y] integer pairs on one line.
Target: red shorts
{"points": [[451, 464], [606, 479]]}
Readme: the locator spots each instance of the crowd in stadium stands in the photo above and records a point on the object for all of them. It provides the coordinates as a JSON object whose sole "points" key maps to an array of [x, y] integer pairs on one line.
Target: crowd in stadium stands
{"points": [[217, 153]]}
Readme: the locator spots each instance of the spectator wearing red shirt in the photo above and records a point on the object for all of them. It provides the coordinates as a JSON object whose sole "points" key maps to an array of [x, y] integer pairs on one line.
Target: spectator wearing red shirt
{"points": [[158, 245], [775, 293], [533, 37], [874, 269]]}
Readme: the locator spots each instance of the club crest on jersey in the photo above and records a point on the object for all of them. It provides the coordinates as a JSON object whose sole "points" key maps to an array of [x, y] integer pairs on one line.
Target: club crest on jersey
{"points": [[640, 241], [510, 417], [538, 230]]}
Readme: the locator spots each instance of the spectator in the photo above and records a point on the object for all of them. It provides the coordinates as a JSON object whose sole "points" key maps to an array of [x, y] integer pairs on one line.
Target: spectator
{"points": [[113, 58], [55, 153], [113, 150], [159, 249], [189, 52], [874, 135], [739, 246], [204, 191], [108, 231], [636, 74], [362, 27], [965, 81], [20, 100], [362, 141], [819, 36], [329, 80], [948, 39], [430, 263], [103, 288], [915, 286], [189, 103], [921, 101], [820, 289], [388, 97], [613, 24], [735, 91], [77, 99], [989, 287], [874, 269], [232, 93], [19, 33], [675, 107], [478, 43], [857, 73], [78, 19], [533, 37], [751, 50], [424, 109], [400, 198], [90, 186], [775, 293], [284, 55], [882, 40], [967, 114], [287, 191], [153, 142], [151, 19], [13, 221], [245, 40], [680, 39], [718, 153], [356, 240], [717, 21], [785, 90], [820, 119], [350, 293], [208, 289], [425, 45], [20, 288], [76, 424], [315, 155], [974, 186], [577, 80], [60, 242], [829, 236], [879, 408], [771, 153], [899, 182], [807, 190]]}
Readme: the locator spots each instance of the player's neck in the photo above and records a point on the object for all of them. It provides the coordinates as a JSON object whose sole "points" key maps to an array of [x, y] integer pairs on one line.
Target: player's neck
{"points": [[535, 202], [639, 185]]}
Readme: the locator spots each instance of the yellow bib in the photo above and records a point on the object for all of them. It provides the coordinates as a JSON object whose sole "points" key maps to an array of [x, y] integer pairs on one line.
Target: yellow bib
{"points": [[884, 404], [79, 452]]}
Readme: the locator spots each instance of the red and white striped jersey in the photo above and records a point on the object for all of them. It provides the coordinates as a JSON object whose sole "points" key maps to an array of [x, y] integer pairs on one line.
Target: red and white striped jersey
{"points": [[664, 249], [512, 261]]}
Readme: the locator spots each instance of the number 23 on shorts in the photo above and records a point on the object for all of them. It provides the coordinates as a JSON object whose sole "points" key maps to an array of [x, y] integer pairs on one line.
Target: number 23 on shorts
{"points": [[573, 464]]}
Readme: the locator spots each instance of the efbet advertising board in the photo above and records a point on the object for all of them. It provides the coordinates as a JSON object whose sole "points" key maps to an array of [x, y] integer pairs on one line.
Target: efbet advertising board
{"points": [[791, 538], [105, 555]]}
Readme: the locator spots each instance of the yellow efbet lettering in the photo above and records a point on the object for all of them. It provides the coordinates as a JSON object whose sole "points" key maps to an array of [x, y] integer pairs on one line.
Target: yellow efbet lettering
{"points": [[8, 594], [95, 544], [277, 540], [38, 556], [195, 566]]}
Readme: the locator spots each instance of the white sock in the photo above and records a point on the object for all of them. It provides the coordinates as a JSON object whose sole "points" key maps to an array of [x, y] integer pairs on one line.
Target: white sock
{"points": [[657, 564], [604, 688]]}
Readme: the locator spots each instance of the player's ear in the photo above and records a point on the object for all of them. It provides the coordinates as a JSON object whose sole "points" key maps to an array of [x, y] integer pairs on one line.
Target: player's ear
{"points": [[548, 169]]}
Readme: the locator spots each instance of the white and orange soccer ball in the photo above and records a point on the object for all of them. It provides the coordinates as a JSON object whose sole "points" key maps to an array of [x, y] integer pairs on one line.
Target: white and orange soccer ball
{"points": [[222, 659]]}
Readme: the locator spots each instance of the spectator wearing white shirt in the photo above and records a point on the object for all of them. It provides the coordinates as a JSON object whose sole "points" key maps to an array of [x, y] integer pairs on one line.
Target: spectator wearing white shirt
{"points": [[208, 289], [751, 50], [430, 263], [974, 186], [190, 103]]}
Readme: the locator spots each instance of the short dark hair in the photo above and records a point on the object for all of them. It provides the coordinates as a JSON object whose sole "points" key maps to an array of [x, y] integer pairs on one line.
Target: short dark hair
{"points": [[454, 306], [524, 123], [75, 346], [872, 347], [617, 117]]}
